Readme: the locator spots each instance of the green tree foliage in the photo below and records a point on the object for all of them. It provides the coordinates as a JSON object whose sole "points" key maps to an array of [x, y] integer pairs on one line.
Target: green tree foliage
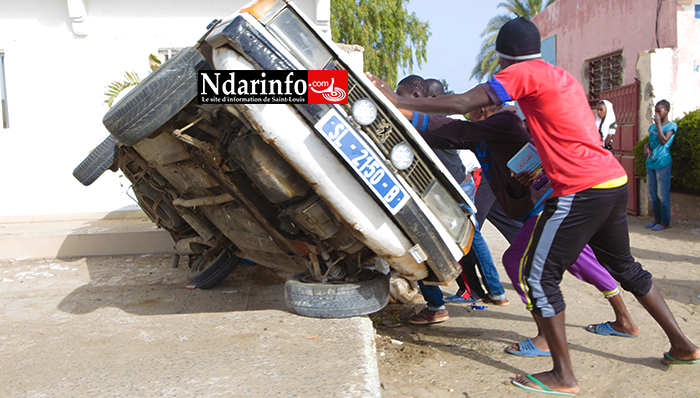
{"points": [[448, 90], [113, 89], [487, 60], [131, 79], [392, 37], [640, 161], [685, 152]]}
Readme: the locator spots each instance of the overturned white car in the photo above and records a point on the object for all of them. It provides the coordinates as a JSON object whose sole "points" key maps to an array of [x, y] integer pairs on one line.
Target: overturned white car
{"points": [[323, 190]]}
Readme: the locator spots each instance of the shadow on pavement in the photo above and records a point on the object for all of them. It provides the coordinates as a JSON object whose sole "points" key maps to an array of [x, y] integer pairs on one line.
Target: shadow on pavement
{"points": [[150, 285]]}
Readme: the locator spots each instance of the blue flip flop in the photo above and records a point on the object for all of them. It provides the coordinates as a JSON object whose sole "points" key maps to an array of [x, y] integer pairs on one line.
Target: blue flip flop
{"points": [[543, 389], [527, 348], [605, 329]]}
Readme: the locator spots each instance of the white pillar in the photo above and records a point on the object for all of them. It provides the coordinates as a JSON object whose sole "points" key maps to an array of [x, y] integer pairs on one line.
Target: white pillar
{"points": [[323, 16], [78, 16]]}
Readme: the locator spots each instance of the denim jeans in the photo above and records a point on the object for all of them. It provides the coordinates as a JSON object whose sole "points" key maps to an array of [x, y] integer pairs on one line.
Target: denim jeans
{"points": [[469, 188], [433, 296], [487, 267], [660, 193]]}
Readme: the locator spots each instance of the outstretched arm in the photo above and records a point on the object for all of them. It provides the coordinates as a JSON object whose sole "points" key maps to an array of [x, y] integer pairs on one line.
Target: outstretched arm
{"points": [[444, 105]]}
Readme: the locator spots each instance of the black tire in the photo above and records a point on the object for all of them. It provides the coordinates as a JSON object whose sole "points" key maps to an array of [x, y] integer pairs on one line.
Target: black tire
{"points": [[97, 162], [156, 99], [336, 300], [205, 273], [158, 208]]}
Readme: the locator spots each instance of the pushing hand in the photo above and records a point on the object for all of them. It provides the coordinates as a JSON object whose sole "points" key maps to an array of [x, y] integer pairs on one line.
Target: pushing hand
{"points": [[383, 87]]}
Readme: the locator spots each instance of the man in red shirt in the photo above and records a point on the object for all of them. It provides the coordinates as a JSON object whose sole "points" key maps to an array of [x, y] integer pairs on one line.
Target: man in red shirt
{"points": [[589, 203]]}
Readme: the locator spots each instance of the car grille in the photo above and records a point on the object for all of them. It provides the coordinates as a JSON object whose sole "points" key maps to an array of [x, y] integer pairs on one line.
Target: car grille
{"points": [[386, 135]]}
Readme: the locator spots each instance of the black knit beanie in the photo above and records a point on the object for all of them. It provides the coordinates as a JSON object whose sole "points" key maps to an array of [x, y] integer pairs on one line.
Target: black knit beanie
{"points": [[518, 40]]}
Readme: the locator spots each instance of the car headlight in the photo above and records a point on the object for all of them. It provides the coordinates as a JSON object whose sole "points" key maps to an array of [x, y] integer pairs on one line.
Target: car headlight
{"points": [[364, 111], [446, 210], [301, 42], [402, 156]]}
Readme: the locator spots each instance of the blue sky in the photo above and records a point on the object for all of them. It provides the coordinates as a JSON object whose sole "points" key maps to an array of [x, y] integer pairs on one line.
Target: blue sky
{"points": [[456, 26]]}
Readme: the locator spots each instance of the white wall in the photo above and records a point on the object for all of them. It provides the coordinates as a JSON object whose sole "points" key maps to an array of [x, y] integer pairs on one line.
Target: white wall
{"points": [[655, 83], [56, 80], [686, 97]]}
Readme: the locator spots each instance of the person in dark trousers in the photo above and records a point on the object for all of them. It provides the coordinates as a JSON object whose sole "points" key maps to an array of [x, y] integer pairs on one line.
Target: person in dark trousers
{"points": [[589, 200], [435, 311], [469, 284], [503, 132]]}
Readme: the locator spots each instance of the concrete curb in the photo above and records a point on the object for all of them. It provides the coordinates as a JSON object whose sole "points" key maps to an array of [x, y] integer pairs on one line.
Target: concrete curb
{"points": [[367, 335], [127, 326], [74, 238]]}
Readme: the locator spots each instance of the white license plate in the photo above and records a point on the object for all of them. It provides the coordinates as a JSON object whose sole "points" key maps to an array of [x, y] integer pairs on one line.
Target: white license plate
{"points": [[363, 160]]}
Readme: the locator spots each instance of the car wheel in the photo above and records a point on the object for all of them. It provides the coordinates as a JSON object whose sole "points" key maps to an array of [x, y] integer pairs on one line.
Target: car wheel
{"points": [[159, 210], [156, 99], [97, 162], [207, 273], [336, 300]]}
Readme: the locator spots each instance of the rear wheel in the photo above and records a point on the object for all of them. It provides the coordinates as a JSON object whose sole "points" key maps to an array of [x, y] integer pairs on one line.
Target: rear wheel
{"points": [[159, 209], [212, 267], [155, 100], [336, 300]]}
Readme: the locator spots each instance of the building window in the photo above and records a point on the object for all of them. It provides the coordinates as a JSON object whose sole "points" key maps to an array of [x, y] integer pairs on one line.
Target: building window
{"points": [[164, 54], [4, 114], [604, 73], [549, 50]]}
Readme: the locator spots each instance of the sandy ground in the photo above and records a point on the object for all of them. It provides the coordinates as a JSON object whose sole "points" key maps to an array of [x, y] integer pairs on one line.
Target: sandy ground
{"points": [[464, 356]]}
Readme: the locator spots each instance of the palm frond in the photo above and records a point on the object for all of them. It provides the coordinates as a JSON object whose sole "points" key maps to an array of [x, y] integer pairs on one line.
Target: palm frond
{"points": [[116, 87], [153, 62], [487, 60]]}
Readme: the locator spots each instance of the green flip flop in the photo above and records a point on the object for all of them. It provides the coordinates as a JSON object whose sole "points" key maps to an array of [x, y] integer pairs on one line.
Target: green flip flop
{"points": [[669, 360], [544, 389]]}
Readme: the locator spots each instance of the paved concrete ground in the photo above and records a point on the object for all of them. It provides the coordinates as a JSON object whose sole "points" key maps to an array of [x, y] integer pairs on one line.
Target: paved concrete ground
{"points": [[127, 326]]}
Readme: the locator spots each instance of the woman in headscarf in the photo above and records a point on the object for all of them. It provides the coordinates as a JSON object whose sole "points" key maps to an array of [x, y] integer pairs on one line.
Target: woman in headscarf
{"points": [[605, 121]]}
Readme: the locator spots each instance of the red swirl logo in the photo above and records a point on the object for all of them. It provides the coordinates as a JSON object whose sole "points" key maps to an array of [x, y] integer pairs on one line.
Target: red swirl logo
{"points": [[328, 87]]}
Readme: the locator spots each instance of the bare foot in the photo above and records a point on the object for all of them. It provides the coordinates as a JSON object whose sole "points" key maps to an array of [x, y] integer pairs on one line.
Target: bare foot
{"points": [[547, 380], [684, 355]]}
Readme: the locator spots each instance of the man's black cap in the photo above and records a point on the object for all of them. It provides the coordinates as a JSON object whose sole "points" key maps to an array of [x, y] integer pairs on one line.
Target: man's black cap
{"points": [[518, 40]]}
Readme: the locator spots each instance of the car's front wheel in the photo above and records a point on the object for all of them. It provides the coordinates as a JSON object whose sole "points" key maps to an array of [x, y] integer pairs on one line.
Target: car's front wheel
{"points": [[336, 300], [156, 99]]}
